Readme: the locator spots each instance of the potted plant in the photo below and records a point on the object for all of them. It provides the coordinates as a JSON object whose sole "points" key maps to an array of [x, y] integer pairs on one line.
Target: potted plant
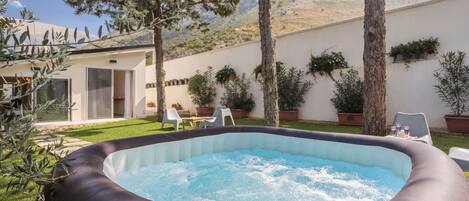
{"points": [[177, 106], [292, 88], [237, 97], [348, 98], [202, 90], [225, 74], [453, 88], [414, 50]]}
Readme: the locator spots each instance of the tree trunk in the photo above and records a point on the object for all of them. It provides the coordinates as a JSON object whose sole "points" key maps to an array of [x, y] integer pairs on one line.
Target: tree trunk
{"points": [[159, 70], [268, 68], [374, 60]]}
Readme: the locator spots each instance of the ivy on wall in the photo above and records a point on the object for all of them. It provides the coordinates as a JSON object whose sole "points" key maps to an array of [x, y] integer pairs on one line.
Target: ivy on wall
{"points": [[325, 63]]}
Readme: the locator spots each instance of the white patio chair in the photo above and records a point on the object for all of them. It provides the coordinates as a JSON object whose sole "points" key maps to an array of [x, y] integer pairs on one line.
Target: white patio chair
{"points": [[171, 116], [417, 123], [218, 118], [461, 157]]}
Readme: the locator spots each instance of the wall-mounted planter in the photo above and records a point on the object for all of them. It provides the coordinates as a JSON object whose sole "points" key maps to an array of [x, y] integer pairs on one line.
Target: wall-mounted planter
{"points": [[239, 113], [350, 119], [288, 115], [457, 124], [414, 50], [204, 111]]}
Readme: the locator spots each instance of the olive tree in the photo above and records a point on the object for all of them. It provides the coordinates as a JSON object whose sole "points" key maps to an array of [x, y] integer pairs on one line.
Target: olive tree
{"points": [[24, 165]]}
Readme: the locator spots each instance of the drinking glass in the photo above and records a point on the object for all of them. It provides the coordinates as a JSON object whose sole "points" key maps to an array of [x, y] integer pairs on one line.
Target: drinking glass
{"points": [[398, 127], [407, 130], [393, 130]]}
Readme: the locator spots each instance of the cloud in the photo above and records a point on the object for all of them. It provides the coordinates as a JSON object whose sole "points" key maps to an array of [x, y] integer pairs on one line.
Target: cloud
{"points": [[15, 3]]}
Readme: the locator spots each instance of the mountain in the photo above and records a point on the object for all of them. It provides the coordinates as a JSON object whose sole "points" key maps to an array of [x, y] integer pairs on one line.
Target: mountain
{"points": [[37, 30], [287, 16]]}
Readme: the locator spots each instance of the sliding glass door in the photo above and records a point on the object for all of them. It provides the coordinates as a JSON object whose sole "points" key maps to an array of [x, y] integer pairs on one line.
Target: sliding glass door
{"points": [[100, 92], [57, 91]]}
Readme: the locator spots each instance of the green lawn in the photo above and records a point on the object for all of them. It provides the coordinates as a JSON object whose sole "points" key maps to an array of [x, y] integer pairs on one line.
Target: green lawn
{"points": [[148, 126]]}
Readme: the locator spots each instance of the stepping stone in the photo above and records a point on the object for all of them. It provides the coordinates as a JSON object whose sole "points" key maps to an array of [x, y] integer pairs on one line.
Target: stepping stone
{"points": [[69, 144]]}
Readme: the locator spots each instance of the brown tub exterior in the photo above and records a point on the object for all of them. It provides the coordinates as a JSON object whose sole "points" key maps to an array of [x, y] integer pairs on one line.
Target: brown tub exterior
{"points": [[434, 176]]}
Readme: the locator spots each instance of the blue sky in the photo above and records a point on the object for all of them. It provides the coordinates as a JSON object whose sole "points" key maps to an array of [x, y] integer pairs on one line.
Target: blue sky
{"points": [[55, 12]]}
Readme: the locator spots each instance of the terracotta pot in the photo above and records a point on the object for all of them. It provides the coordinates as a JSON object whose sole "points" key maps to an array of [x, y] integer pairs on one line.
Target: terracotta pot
{"points": [[204, 111], [350, 119], [288, 115], [239, 113], [457, 124]]}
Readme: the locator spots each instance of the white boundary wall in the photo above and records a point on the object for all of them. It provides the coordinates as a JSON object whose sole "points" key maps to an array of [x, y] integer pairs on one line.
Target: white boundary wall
{"points": [[409, 89]]}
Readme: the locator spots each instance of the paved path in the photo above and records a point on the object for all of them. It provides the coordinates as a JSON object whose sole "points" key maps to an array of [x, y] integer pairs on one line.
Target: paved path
{"points": [[69, 144]]}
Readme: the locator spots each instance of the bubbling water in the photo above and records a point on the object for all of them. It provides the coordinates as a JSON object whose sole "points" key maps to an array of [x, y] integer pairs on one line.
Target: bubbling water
{"points": [[263, 175]]}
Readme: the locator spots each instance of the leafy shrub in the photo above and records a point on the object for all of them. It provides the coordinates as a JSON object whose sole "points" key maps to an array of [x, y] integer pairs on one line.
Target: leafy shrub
{"points": [[202, 88], [177, 106], [258, 70], [414, 50], [325, 63], [453, 81], [151, 104], [348, 96], [236, 95], [291, 85], [292, 88], [225, 74]]}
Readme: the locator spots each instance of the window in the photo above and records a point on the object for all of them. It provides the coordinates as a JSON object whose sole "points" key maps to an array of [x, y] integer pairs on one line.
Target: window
{"points": [[57, 90], [148, 58]]}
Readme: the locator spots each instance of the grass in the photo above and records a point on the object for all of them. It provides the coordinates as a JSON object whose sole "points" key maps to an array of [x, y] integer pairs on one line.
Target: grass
{"points": [[119, 130], [29, 194], [148, 126]]}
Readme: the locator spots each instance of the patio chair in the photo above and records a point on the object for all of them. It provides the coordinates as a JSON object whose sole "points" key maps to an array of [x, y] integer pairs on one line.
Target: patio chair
{"points": [[461, 157], [417, 123], [218, 118], [171, 116]]}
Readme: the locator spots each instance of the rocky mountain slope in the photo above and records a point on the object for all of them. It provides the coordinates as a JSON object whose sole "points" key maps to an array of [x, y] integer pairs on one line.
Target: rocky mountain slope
{"points": [[288, 16]]}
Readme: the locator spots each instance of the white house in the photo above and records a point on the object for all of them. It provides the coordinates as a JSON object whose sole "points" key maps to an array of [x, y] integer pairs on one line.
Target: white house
{"points": [[104, 83]]}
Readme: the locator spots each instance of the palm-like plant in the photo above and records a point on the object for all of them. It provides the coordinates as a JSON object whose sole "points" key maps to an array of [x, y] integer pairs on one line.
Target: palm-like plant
{"points": [[292, 88]]}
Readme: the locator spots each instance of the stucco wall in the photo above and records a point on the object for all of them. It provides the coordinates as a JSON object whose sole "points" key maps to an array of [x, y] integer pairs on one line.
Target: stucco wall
{"points": [[409, 89], [77, 73]]}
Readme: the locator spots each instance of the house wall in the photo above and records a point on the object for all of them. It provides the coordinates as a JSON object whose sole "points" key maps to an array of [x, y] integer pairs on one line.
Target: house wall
{"points": [[410, 89], [133, 60]]}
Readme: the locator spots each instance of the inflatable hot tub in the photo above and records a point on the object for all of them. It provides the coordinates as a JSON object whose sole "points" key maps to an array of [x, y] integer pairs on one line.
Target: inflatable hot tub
{"points": [[382, 168]]}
